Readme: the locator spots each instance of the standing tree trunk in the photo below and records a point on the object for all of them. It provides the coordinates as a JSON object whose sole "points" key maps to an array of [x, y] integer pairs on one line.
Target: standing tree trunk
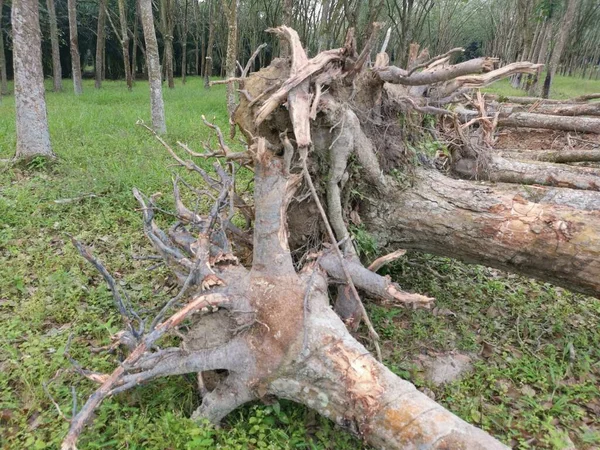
{"points": [[74, 45], [56, 67], [184, 44], [563, 34], [135, 40], [100, 44], [167, 23], [33, 137], [287, 20], [231, 7], [208, 62], [157, 107], [125, 44], [3, 80]]}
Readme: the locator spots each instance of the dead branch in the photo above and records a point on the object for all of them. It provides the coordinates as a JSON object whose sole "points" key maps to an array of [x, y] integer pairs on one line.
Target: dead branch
{"points": [[84, 415], [434, 59]]}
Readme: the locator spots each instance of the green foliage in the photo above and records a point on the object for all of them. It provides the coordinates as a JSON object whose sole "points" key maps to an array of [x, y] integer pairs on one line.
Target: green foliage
{"points": [[562, 87]]}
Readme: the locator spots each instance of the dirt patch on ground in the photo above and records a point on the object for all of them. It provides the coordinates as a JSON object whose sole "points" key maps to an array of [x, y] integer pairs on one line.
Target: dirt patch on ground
{"points": [[445, 368]]}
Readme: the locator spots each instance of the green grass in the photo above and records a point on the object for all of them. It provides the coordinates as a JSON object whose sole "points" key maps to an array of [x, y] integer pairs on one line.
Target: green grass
{"points": [[562, 87], [536, 338]]}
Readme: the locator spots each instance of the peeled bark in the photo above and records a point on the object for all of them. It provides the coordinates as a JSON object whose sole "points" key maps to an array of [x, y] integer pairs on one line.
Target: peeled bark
{"points": [[533, 120], [33, 137], [509, 171], [100, 44], [74, 46], [157, 107], [56, 67]]}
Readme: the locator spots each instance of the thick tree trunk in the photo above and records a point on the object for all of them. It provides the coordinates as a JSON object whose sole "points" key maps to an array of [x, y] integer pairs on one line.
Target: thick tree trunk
{"points": [[136, 19], [74, 46], [157, 107], [509, 171], [479, 225], [553, 156], [56, 67], [3, 79], [33, 138], [532, 120], [292, 344], [125, 44]]}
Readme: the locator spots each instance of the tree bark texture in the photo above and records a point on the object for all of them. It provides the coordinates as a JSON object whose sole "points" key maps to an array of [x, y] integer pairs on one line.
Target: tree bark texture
{"points": [[3, 79], [74, 46], [100, 42], [56, 67], [231, 9], [184, 44], [167, 25], [565, 27], [33, 137], [125, 44], [157, 107], [208, 63]]}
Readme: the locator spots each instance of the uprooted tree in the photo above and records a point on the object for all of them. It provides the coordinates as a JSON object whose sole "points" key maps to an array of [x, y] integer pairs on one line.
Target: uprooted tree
{"points": [[317, 130]]}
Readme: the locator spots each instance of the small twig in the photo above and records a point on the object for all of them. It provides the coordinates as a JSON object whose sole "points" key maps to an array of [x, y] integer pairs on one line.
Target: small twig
{"points": [[47, 392], [383, 260], [123, 305], [61, 201]]}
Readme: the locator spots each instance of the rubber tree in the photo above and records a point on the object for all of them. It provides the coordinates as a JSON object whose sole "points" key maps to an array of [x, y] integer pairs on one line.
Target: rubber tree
{"points": [[33, 137]]}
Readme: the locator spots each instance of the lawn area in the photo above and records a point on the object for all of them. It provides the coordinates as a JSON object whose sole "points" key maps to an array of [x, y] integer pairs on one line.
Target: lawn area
{"points": [[562, 87], [536, 377]]}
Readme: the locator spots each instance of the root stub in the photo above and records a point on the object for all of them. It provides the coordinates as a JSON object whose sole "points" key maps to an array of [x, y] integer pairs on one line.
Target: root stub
{"points": [[323, 153]]}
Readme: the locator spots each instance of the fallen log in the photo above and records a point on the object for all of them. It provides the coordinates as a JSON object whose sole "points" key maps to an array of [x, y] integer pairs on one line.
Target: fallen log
{"points": [[512, 171], [482, 225], [583, 109], [531, 100], [553, 156], [531, 120]]}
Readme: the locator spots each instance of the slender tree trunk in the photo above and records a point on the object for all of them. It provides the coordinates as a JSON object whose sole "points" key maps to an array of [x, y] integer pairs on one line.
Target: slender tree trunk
{"points": [[100, 44], [284, 46], [125, 44], [74, 45], [208, 62], [157, 106], [33, 137], [565, 28], [166, 12], [541, 58], [56, 67], [184, 44], [231, 7], [135, 41], [3, 79]]}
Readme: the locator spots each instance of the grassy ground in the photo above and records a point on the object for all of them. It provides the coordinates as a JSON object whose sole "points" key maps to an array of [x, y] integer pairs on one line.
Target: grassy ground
{"points": [[562, 87], [536, 380]]}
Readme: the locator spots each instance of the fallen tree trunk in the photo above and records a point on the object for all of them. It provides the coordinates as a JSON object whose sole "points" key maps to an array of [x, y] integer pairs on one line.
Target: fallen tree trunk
{"points": [[531, 100], [479, 225], [532, 120], [270, 324], [511, 171], [553, 156]]}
